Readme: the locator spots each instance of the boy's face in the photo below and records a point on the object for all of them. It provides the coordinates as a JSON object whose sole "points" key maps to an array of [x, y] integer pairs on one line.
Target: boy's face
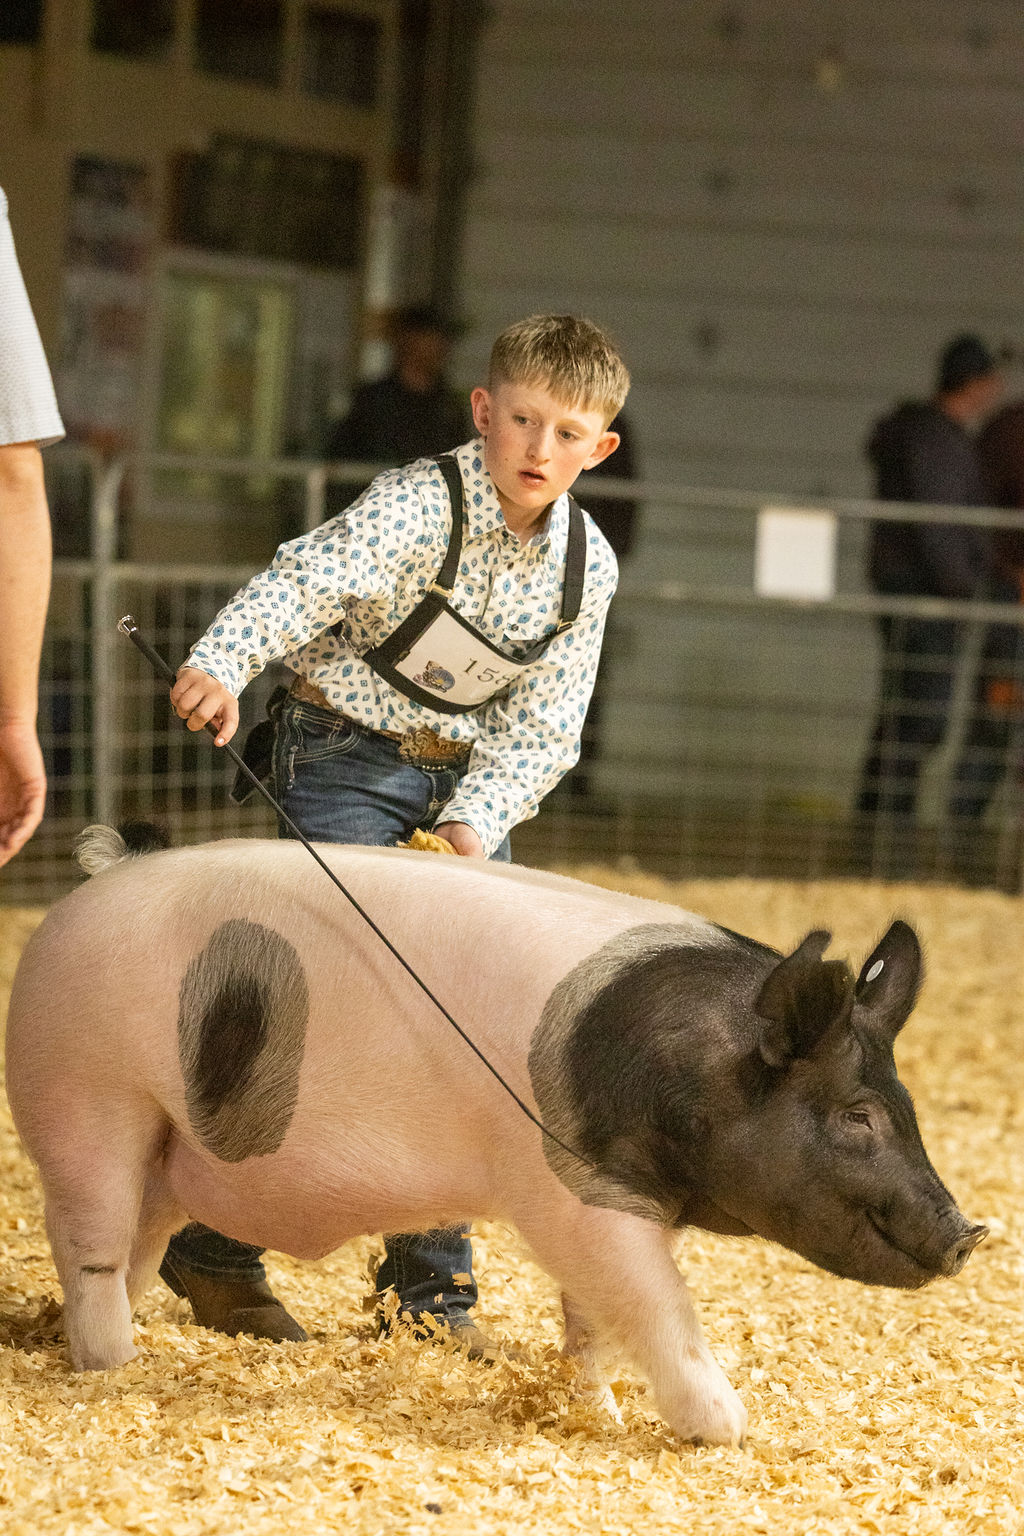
{"points": [[534, 447]]}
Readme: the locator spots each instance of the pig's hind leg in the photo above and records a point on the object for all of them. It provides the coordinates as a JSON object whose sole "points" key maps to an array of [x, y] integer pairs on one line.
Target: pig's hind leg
{"points": [[94, 1189], [581, 1345], [160, 1217]]}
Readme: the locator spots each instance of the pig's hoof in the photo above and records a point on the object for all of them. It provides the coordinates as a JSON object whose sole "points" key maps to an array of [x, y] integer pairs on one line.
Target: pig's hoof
{"points": [[711, 1412], [723, 1421], [86, 1359], [600, 1395], [232, 1306]]}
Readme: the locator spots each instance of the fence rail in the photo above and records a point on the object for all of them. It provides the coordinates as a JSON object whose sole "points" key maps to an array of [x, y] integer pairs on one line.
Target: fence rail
{"points": [[728, 733]]}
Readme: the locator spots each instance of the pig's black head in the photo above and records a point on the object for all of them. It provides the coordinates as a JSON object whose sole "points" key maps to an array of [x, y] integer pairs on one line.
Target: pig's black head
{"points": [[721, 1085], [835, 1166]]}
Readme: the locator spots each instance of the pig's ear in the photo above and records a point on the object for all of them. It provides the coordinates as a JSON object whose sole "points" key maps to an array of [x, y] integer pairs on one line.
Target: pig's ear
{"points": [[802, 999], [888, 985]]}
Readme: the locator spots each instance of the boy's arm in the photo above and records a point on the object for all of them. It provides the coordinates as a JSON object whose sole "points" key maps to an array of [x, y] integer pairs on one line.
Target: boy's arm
{"points": [[531, 737], [300, 593]]}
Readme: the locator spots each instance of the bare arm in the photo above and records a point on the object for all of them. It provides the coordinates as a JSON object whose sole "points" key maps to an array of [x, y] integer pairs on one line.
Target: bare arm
{"points": [[24, 593]]}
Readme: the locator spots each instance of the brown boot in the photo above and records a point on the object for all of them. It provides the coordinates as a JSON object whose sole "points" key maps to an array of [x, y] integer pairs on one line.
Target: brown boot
{"points": [[474, 1344], [457, 1329], [231, 1306]]}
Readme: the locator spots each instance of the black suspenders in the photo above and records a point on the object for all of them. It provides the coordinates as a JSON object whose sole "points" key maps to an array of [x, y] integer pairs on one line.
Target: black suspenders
{"points": [[395, 645], [575, 549]]}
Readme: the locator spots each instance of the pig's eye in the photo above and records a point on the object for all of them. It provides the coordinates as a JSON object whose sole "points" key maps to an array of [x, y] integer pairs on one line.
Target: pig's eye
{"points": [[857, 1117]]}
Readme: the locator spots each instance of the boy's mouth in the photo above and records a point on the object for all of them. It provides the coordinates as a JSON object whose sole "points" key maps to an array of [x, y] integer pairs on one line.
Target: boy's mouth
{"points": [[532, 477]]}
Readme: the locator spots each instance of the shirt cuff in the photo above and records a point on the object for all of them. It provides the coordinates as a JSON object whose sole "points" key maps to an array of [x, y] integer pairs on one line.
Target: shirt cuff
{"points": [[215, 664], [472, 814]]}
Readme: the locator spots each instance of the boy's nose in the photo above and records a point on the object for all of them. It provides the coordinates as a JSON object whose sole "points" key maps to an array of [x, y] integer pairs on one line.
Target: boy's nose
{"points": [[540, 447]]}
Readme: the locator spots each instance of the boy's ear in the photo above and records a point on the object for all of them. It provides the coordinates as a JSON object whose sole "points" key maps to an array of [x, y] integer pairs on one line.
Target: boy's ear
{"points": [[480, 401], [606, 444]]}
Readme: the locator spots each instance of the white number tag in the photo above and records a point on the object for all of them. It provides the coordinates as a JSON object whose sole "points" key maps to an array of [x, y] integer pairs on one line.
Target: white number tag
{"points": [[451, 663]]}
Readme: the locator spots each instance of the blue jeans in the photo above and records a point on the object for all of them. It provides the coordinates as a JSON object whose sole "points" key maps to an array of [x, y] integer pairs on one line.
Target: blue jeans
{"points": [[342, 784]]}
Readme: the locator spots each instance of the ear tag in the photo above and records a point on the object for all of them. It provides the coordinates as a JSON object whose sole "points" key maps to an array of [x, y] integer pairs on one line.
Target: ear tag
{"points": [[876, 970]]}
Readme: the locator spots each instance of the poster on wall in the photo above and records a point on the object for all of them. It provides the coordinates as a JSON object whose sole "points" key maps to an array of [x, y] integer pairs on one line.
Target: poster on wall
{"points": [[106, 287]]}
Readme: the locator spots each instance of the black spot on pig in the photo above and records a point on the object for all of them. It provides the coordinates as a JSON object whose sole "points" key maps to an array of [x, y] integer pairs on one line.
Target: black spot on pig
{"points": [[754, 945], [242, 1016], [617, 1071]]}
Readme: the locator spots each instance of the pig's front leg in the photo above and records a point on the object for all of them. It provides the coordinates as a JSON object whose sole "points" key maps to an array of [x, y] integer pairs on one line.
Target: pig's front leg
{"points": [[581, 1345], [620, 1272]]}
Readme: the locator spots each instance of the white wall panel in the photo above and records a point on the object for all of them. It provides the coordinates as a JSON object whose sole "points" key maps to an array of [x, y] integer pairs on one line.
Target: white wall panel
{"points": [[782, 209], [634, 256], [919, 39], [745, 224], [683, 178]]}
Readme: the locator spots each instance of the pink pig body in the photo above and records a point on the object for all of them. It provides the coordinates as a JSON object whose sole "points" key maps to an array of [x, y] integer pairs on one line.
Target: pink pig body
{"points": [[217, 1033], [395, 1125]]}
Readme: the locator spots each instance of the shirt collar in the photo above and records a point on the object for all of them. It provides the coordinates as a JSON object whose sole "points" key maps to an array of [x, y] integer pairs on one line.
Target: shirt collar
{"points": [[484, 516]]}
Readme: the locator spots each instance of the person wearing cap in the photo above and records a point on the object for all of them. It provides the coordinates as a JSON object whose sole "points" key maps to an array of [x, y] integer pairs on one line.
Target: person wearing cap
{"points": [[29, 419], [412, 412], [924, 451]]}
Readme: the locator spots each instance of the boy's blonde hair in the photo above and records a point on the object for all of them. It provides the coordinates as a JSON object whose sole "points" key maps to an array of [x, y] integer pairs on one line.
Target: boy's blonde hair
{"points": [[570, 356]]}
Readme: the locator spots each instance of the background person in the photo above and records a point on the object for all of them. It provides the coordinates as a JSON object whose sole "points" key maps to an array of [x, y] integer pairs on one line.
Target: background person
{"points": [[29, 419], [412, 412], [923, 451], [464, 742], [996, 722]]}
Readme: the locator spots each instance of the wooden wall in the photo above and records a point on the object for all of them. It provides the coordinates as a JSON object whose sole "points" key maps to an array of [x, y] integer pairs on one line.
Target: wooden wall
{"points": [[782, 208]]}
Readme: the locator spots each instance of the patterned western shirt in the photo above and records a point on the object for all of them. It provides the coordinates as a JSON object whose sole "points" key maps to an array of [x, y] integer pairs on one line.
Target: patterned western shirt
{"points": [[370, 566], [28, 406]]}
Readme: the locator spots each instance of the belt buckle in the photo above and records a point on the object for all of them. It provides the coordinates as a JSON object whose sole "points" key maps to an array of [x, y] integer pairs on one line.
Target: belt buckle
{"points": [[422, 744], [419, 744]]}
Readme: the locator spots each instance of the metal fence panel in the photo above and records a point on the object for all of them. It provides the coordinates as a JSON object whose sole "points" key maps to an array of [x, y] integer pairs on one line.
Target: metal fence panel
{"points": [[728, 733]]}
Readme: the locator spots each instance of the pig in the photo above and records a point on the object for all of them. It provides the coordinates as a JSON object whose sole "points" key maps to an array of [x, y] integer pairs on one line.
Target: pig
{"points": [[216, 1033]]}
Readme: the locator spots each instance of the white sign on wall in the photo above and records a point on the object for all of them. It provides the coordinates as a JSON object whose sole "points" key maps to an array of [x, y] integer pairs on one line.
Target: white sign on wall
{"points": [[795, 554]]}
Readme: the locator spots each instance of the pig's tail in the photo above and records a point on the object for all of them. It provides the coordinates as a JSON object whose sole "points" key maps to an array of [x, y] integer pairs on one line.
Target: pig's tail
{"points": [[98, 847]]}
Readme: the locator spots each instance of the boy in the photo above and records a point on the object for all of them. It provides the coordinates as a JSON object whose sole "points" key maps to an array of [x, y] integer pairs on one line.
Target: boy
{"points": [[445, 632]]}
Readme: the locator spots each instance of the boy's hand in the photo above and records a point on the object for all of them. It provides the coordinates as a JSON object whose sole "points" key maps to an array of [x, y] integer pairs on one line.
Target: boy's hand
{"points": [[198, 698], [462, 838]]}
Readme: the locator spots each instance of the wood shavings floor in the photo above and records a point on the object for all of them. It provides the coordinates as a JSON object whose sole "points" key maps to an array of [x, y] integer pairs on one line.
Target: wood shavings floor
{"points": [[870, 1411]]}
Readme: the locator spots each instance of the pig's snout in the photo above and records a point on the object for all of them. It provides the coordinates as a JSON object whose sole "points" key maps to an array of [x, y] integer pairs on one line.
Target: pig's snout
{"points": [[960, 1250]]}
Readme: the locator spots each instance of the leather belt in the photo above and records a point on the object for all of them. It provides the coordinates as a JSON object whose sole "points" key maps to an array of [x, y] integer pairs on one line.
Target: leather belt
{"points": [[420, 744]]}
